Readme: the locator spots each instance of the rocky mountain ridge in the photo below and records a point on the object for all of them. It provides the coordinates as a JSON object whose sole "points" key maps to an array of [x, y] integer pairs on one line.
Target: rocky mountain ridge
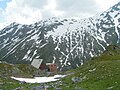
{"points": [[67, 42]]}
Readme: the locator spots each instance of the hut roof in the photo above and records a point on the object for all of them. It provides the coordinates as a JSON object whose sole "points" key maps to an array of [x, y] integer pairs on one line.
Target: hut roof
{"points": [[37, 62]]}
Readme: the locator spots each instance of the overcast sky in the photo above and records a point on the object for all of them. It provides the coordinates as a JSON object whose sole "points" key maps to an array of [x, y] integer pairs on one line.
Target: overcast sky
{"points": [[30, 11]]}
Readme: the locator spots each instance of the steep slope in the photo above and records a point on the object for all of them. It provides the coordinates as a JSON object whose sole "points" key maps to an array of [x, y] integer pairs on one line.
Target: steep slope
{"points": [[67, 42], [101, 73], [18, 70]]}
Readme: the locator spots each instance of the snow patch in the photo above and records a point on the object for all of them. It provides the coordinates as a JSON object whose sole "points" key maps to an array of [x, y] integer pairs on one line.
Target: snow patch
{"points": [[39, 79]]}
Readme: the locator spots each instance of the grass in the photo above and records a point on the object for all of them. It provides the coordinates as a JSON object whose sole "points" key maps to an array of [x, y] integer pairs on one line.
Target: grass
{"points": [[13, 85], [19, 70], [100, 73]]}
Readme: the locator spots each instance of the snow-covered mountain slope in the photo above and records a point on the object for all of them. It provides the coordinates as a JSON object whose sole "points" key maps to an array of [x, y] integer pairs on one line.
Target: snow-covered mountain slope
{"points": [[67, 42]]}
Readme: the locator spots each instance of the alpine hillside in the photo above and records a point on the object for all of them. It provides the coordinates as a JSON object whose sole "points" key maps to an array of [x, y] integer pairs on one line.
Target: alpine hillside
{"points": [[67, 42]]}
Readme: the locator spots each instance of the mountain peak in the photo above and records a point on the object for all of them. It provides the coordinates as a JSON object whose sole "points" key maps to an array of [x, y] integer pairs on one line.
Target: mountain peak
{"points": [[116, 7], [14, 23]]}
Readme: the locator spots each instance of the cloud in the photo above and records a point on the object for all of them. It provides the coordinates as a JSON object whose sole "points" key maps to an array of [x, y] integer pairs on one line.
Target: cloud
{"points": [[77, 5], [105, 4], [77, 8], [1, 12], [31, 11], [31, 3], [51, 11], [24, 11], [2, 18]]}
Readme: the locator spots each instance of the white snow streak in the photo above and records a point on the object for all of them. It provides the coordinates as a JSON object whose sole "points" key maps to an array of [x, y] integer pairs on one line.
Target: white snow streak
{"points": [[39, 79]]}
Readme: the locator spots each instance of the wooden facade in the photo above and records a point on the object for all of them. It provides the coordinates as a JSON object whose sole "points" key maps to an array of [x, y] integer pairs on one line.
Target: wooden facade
{"points": [[42, 66], [39, 64], [52, 67]]}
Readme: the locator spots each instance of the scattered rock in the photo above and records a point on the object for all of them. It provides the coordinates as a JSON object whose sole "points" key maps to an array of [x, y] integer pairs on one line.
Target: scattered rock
{"points": [[1, 83], [19, 88], [22, 82], [79, 88], [58, 88], [110, 88], [76, 79], [92, 70], [38, 88]]}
